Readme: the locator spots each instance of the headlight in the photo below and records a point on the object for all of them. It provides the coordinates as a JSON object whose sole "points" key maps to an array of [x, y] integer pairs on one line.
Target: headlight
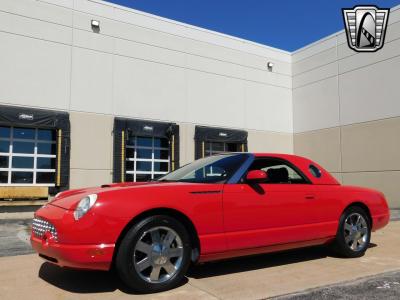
{"points": [[84, 205]]}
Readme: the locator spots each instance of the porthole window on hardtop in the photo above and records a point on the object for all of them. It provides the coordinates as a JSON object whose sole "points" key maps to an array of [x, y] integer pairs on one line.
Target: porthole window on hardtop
{"points": [[315, 171]]}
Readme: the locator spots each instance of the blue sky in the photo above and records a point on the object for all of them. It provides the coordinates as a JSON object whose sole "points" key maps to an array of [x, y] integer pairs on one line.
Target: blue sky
{"points": [[284, 24]]}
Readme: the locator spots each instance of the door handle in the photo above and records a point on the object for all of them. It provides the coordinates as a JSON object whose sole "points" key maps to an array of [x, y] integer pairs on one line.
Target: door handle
{"points": [[310, 197]]}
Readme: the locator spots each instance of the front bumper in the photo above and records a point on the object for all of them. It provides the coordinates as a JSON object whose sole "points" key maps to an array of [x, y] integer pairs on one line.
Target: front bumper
{"points": [[92, 257], [59, 239]]}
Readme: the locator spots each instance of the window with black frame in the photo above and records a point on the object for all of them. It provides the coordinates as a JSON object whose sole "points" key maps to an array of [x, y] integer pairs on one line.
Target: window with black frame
{"points": [[211, 141], [213, 148], [27, 156], [147, 158], [144, 150]]}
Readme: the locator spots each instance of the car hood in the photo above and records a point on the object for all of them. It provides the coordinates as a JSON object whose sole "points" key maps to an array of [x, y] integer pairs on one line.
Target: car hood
{"points": [[69, 199]]}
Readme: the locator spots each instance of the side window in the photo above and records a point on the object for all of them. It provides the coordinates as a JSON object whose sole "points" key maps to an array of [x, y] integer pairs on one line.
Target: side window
{"points": [[278, 171]]}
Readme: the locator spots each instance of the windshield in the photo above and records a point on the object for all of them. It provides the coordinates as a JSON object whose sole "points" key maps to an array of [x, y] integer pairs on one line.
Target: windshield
{"points": [[213, 169]]}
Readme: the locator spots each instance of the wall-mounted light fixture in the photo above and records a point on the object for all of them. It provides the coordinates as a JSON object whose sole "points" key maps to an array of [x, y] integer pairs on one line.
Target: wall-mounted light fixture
{"points": [[270, 65], [95, 25]]}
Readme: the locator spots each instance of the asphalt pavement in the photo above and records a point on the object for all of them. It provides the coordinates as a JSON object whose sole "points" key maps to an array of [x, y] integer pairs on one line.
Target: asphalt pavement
{"points": [[14, 237], [384, 286]]}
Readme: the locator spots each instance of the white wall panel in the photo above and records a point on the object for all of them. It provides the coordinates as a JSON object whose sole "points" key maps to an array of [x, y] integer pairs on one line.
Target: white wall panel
{"points": [[93, 41], [150, 53], [215, 100], [268, 108], [315, 75], [136, 33], [370, 93], [64, 3], [269, 78], [215, 66], [41, 10], [214, 51], [92, 74], [316, 106], [393, 29], [314, 48], [148, 90], [99, 8], [35, 28], [345, 51], [34, 72], [323, 58]]}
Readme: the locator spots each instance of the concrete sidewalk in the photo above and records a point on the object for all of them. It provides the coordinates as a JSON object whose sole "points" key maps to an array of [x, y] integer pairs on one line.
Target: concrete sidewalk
{"points": [[256, 277]]}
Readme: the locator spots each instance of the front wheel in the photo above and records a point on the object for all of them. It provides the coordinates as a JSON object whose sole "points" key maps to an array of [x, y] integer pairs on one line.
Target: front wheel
{"points": [[354, 233], [154, 255]]}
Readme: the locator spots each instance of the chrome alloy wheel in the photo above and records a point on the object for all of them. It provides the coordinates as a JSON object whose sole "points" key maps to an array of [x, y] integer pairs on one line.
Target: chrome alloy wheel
{"points": [[158, 254], [356, 231]]}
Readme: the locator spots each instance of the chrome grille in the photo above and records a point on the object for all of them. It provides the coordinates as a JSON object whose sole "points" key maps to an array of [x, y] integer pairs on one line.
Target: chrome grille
{"points": [[40, 227]]}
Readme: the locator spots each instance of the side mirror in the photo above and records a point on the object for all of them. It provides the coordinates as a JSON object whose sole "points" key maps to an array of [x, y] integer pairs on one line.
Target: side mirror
{"points": [[256, 176]]}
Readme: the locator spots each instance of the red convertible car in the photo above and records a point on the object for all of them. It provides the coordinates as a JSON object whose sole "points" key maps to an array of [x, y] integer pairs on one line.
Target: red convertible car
{"points": [[214, 208]]}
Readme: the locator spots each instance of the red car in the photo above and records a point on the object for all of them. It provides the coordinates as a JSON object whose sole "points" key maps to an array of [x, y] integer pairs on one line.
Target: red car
{"points": [[214, 208]]}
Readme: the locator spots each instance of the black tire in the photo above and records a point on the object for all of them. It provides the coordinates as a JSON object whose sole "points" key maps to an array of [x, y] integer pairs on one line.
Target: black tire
{"points": [[343, 248], [125, 259]]}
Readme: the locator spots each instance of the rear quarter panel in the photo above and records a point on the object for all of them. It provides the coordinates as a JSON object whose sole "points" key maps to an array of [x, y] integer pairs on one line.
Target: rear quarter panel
{"points": [[337, 198], [373, 199]]}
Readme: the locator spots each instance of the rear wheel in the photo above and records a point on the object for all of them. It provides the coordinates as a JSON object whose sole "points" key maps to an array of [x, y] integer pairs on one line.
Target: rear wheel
{"points": [[354, 233], [154, 255]]}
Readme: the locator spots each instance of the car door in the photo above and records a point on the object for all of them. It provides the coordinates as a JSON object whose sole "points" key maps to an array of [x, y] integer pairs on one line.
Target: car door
{"points": [[278, 211]]}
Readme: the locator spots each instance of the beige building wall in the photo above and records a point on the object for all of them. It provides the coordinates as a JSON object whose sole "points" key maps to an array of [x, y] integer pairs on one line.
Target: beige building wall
{"points": [[91, 161], [186, 143], [346, 110], [269, 142]]}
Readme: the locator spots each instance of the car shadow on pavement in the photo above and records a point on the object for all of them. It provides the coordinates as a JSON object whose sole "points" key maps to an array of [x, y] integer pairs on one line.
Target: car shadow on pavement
{"points": [[261, 261], [84, 281], [78, 281]]}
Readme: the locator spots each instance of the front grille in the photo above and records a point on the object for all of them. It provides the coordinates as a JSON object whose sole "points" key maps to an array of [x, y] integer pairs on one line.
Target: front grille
{"points": [[40, 227]]}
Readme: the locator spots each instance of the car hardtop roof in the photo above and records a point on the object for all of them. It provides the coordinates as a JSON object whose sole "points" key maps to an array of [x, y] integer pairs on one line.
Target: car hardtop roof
{"points": [[286, 156], [279, 155]]}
